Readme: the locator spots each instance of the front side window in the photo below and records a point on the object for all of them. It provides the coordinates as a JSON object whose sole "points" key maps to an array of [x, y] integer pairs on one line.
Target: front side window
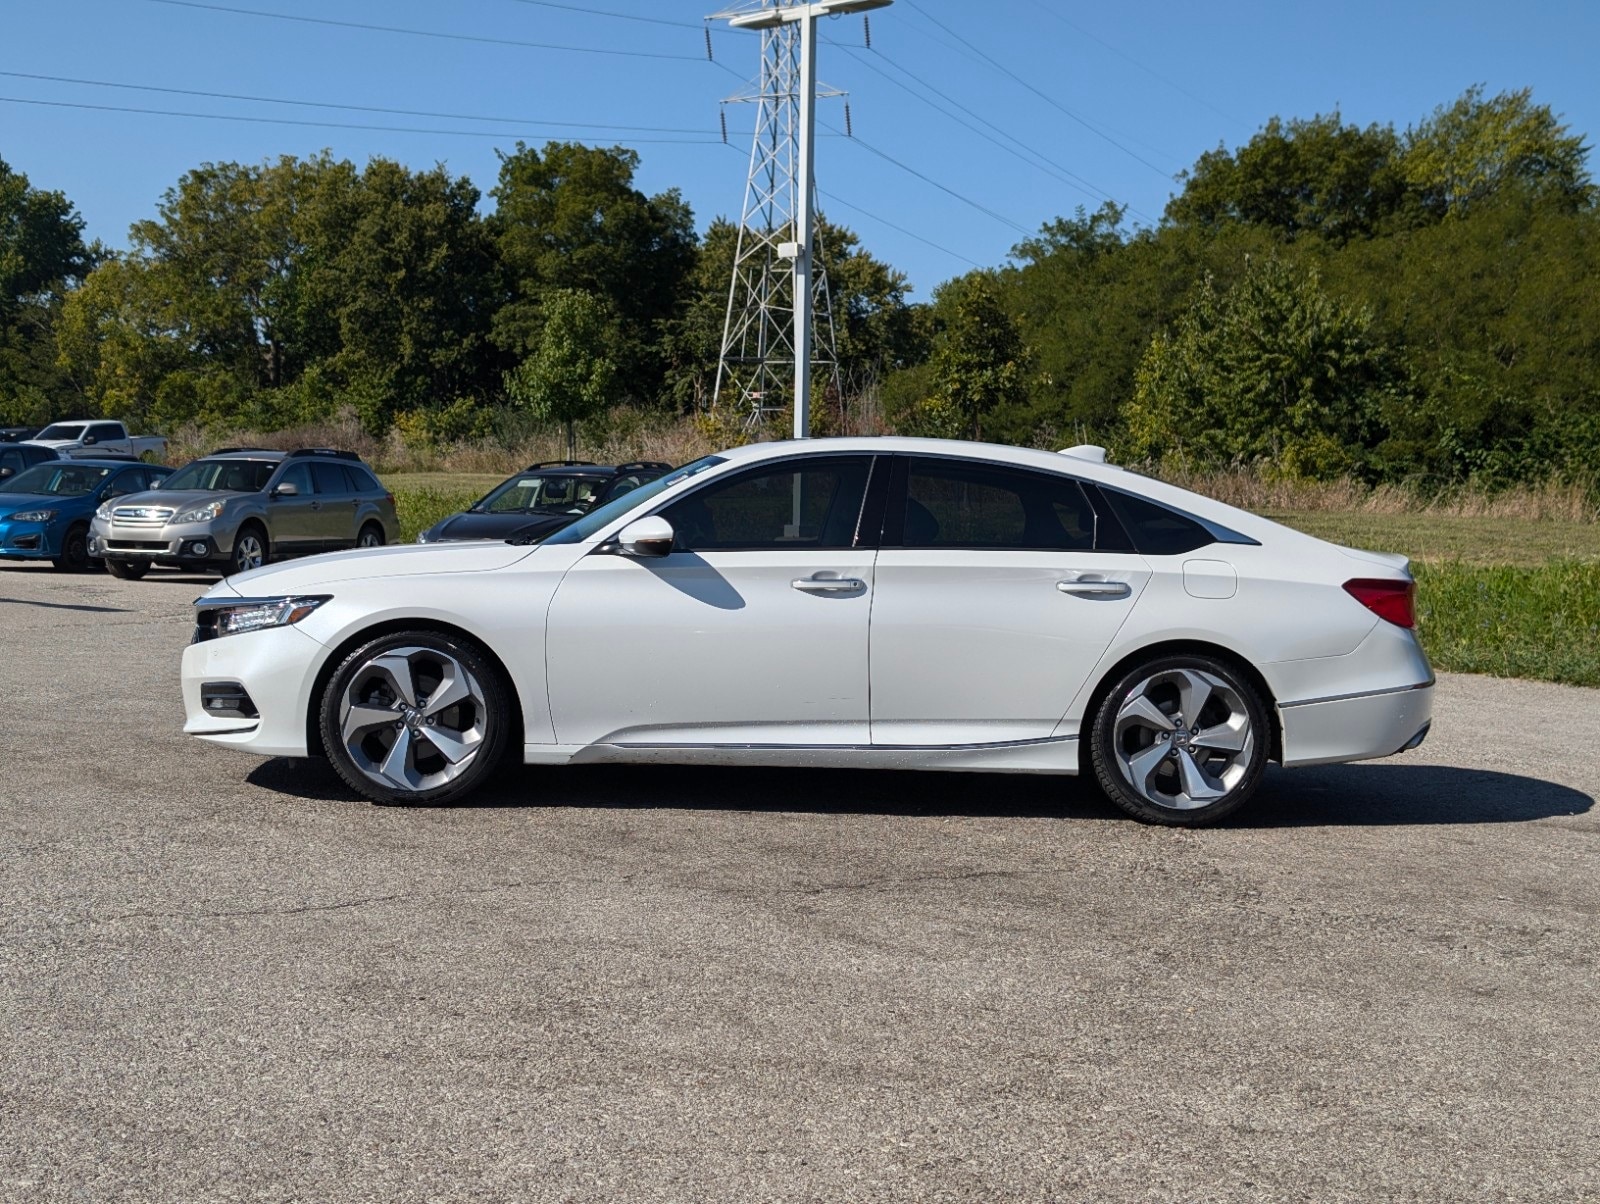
{"points": [[811, 503], [298, 475], [598, 518], [962, 504], [105, 430]]}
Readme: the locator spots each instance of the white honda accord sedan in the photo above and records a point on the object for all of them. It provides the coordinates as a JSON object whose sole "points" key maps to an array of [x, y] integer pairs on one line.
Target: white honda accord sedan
{"points": [[859, 603]]}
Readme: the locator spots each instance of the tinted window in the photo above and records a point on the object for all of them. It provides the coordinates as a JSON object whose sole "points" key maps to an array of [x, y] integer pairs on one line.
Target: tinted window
{"points": [[361, 481], [106, 430], [959, 504], [330, 478], [127, 481], [798, 504], [11, 460], [57, 480], [1156, 531]]}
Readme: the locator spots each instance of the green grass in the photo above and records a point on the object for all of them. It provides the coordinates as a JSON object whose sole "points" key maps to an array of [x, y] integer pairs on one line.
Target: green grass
{"points": [[1443, 537], [1504, 596], [1541, 622]]}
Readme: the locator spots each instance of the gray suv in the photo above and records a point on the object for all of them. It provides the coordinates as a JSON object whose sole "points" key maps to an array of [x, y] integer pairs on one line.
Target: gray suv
{"points": [[240, 507]]}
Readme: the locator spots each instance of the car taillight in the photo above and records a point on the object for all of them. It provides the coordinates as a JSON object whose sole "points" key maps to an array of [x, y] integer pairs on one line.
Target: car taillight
{"points": [[389, 497], [1394, 601]]}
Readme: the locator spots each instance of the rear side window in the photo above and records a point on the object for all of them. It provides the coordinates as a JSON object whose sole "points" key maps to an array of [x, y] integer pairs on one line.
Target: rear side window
{"points": [[1155, 530], [330, 478], [961, 504]]}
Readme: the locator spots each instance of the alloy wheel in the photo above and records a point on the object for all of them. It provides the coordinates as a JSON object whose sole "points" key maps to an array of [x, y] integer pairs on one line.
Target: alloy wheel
{"points": [[1183, 738], [412, 719], [248, 552]]}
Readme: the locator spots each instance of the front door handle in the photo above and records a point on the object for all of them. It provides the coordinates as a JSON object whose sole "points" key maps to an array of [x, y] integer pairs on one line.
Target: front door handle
{"points": [[828, 585], [1089, 588]]}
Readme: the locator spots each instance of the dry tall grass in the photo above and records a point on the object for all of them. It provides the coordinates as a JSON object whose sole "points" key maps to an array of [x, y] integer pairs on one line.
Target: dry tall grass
{"points": [[627, 435], [1549, 500]]}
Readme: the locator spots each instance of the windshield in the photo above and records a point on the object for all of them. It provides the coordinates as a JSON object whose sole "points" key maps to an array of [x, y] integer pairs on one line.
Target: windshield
{"points": [[57, 480], [228, 476], [62, 430], [586, 526], [530, 491]]}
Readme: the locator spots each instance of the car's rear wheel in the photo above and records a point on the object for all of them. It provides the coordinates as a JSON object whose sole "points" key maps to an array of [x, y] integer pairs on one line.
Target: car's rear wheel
{"points": [[1181, 740], [127, 570], [417, 717], [74, 556], [249, 549], [371, 536]]}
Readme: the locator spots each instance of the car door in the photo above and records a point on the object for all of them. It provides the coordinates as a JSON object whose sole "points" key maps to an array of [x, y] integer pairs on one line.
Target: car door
{"points": [[997, 589], [293, 519], [752, 631], [335, 511]]}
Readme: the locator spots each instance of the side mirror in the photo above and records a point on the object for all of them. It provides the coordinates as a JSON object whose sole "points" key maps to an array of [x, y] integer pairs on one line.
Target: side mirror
{"points": [[90, 441], [6, 472], [651, 536], [287, 489]]}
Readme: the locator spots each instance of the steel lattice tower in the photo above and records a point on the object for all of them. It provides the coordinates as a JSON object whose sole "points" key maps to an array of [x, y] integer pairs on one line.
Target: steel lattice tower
{"points": [[756, 366]]}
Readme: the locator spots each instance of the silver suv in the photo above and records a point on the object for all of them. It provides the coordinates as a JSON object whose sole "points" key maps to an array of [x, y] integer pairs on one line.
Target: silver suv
{"points": [[240, 507]]}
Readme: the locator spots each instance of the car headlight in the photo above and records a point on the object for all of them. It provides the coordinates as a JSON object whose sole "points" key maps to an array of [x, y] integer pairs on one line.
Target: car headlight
{"points": [[33, 516], [254, 614], [200, 514], [105, 510]]}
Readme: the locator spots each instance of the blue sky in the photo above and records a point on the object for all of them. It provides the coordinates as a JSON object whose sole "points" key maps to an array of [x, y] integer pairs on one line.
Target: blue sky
{"points": [[1117, 99]]}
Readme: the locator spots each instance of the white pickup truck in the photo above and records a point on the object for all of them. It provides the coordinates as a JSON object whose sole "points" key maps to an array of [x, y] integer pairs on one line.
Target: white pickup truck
{"points": [[96, 437]]}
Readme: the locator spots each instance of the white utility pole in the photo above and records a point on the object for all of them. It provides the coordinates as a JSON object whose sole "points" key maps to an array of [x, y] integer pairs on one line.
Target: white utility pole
{"points": [[803, 231]]}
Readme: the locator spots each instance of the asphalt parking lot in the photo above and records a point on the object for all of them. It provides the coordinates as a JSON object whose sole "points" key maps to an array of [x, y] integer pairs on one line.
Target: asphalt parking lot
{"points": [[223, 977]]}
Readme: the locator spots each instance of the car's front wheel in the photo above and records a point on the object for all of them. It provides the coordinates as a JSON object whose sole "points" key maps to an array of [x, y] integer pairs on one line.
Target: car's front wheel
{"points": [[74, 556], [1181, 740], [417, 717], [249, 549]]}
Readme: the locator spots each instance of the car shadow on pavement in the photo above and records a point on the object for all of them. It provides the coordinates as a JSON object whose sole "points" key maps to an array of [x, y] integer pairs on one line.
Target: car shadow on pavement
{"points": [[1374, 794]]}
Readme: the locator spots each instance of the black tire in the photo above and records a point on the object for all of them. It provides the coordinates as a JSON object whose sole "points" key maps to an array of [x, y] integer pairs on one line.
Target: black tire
{"points": [[371, 536], [249, 544], [485, 721], [1188, 779], [74, 556], [127, 570]]}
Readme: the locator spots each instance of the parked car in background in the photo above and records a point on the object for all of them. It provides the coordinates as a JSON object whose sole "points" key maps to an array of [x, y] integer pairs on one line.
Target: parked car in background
{"points": [[17, 457], [46, 510], [241, 507], [542, 498], [853, 603], [16, 434], [97, 437]]}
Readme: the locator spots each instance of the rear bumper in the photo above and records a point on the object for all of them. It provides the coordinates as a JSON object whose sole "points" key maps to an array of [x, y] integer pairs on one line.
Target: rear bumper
{"points": [[1358, 727]]}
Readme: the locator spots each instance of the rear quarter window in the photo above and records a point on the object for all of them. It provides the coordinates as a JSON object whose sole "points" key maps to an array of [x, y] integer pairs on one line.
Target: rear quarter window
{"points": [[1155, 530]]}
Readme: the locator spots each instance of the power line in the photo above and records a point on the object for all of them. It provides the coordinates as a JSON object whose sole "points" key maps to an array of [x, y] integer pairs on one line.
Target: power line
{"points": [[429, 33], [327, 125], [1042, 95], [838, 200], [606, 12], [1044, 164], [945, 188], [1150, 71], [318, 104]]}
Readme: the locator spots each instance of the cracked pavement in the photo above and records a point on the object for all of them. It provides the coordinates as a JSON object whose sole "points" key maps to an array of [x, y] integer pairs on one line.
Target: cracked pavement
{"points": [[225, 978]]}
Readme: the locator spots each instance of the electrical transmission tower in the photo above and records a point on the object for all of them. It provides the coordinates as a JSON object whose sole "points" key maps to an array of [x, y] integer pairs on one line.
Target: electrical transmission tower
{"points": [[778, 334]]}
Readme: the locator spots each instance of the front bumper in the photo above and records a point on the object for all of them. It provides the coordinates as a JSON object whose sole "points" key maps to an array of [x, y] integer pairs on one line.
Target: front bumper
{"points": [[276, 668], [169, 544], [28, 541]]}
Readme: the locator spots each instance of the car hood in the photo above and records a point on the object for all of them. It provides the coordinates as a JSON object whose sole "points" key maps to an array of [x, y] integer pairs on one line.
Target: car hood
{"points": [[10, 503], [317, 573], [182, 499], [470, 525]]}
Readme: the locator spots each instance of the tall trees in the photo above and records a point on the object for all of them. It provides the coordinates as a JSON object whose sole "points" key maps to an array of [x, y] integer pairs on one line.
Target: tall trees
{"points": [[42, 254], [571, 218], [1272, 369], [570, 373]]}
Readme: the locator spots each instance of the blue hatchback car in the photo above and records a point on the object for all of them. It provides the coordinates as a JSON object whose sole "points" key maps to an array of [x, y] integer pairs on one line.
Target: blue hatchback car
{"points": [[45, 510]]}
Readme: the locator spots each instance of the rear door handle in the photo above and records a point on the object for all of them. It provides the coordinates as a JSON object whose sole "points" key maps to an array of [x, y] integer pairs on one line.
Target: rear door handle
{"points": [[1091, 588], [828, 585]]}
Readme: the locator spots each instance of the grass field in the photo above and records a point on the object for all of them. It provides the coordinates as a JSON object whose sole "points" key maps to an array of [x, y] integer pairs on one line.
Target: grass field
{"points": [[1506, 596]]}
